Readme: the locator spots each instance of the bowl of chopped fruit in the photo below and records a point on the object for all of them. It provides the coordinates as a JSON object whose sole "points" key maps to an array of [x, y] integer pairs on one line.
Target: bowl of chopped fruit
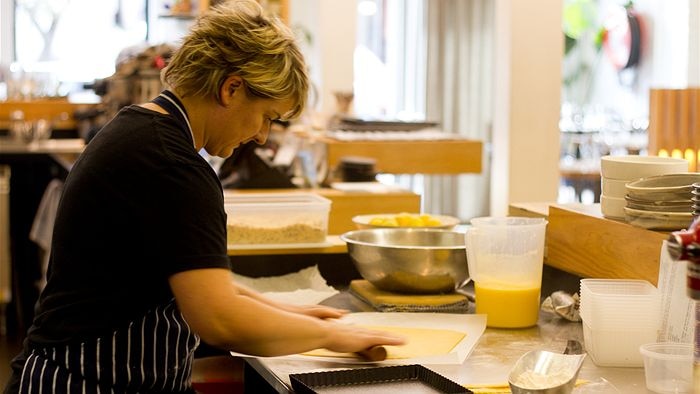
{"points": [[405, 220]]}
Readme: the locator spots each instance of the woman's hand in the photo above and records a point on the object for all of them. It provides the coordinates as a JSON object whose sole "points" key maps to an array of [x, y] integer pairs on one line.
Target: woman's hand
{"points": [[347, 338]]}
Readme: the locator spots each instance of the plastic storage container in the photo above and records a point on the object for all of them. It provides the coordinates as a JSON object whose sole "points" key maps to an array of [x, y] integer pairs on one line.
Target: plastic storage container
{"points": [[277, 219], [668, 367], [616, 346], [618, 316]]}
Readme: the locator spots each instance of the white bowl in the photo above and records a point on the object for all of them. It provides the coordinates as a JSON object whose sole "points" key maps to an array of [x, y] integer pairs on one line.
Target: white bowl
{"points": [[612, 207], [613, 187], [657, 220], [664, 187], [634, 167], [659, 205]]}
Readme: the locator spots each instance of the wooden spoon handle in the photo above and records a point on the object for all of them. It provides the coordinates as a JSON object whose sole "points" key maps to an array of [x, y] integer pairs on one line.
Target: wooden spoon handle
{"points": [[375, 353]]}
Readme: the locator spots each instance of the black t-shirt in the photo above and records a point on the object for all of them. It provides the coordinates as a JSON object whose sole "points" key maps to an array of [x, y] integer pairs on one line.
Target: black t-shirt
{"points": [[139, 205]]}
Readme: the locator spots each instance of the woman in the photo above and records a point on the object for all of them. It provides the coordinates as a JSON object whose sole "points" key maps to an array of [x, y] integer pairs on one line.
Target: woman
{"points": [[139, 270]]}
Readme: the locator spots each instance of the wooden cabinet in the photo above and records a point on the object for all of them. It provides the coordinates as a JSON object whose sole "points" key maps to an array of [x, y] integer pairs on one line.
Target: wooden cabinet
{"points": [[60, 112]]}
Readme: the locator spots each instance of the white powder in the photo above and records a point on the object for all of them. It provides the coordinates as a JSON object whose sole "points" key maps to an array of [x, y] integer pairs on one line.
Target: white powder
{"points": [[533, 380]]}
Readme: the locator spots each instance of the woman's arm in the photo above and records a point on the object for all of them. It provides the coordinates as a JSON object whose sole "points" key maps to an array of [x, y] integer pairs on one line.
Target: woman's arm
{"points": [[242, 320]]}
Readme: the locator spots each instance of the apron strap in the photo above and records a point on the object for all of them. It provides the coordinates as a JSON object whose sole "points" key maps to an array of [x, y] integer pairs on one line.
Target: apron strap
{"points": [[169, 102]]}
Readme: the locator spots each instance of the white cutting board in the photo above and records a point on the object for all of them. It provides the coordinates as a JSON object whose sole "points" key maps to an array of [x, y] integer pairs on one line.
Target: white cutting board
{"points": [[472, 326]]}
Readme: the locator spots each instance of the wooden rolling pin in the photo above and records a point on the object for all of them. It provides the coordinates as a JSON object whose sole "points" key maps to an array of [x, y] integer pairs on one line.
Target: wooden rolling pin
{"points": [[375, 353]]}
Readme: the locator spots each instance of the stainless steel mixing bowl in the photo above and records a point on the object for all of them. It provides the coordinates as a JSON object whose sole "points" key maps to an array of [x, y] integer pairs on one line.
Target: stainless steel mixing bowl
{"points": [[410, 260]]}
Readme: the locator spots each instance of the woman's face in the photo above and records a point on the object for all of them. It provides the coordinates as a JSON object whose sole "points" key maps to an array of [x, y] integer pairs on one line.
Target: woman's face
{"points": [[242, 118]]}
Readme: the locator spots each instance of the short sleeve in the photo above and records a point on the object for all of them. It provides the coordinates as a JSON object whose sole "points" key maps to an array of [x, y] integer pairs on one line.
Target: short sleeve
{"points": [[187, 219]]}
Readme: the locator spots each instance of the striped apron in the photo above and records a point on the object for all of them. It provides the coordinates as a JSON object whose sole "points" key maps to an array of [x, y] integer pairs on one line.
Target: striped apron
{"points": [[151, 355]]}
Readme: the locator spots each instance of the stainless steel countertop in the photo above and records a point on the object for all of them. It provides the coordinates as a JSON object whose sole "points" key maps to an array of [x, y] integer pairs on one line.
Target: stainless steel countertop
{"points": [[489, 363]]}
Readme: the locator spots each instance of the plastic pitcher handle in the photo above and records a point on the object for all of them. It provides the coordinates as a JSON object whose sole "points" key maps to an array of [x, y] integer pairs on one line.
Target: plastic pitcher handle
{"points": [[471, 256]]}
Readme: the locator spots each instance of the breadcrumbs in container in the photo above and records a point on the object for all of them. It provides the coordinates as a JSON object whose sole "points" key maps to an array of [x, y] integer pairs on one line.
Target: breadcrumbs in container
{"points": [[276, 218]]}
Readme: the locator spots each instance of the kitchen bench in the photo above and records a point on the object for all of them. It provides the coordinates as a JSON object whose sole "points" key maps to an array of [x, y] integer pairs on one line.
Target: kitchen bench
{"points": [[489, 363]]}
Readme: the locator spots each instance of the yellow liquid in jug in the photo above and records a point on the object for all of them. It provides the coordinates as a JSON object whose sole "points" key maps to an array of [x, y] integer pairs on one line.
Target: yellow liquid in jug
{"points": [[507, 307]]}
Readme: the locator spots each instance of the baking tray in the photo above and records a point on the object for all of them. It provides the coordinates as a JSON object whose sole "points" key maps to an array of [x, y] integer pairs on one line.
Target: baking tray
{"points": [[402, 378]]}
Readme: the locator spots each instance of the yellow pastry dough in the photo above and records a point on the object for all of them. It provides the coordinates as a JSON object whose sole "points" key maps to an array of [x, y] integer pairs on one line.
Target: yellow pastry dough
{"points": [[420, 342]]}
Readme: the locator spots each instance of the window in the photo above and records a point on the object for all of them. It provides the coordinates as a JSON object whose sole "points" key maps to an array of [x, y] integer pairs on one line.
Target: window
{"points": [[390, 60], [390, 68], [61, 44]]}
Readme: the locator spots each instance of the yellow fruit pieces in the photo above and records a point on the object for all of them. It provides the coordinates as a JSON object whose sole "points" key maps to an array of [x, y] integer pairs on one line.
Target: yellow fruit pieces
{"points": [[406, 220]]}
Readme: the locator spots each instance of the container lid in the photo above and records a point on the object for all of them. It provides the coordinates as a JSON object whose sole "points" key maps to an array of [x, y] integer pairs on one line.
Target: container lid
{"points": [[266, 200]]}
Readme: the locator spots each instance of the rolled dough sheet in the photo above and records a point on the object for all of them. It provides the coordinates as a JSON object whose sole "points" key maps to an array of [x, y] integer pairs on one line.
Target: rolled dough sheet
{"points": [[420, 342]]}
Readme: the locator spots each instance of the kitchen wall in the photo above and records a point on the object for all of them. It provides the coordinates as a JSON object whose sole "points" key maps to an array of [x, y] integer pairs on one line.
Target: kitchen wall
{"points": [[528, 55], [529, 48], [332, 27]]}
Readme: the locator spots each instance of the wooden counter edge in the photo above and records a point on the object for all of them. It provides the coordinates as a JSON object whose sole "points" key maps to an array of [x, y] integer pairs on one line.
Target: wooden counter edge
{"points": [[596, 247], [335, 246], [582, 242]]}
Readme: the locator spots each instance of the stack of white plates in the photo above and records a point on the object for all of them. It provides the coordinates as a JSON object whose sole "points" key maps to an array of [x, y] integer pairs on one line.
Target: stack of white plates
{"points": [[661, 202], [617, 171], [695, 198]]}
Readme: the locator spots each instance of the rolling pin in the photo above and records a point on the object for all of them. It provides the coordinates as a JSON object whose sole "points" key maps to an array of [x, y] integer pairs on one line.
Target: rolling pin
{"points": [[374, 353]]}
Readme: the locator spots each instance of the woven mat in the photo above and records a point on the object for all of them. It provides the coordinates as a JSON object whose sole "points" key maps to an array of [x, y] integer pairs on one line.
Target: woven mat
{"points": [[384, 301]]}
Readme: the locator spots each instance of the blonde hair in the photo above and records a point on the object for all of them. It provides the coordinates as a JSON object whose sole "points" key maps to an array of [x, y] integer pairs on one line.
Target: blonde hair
{"points": [[236, 38]]}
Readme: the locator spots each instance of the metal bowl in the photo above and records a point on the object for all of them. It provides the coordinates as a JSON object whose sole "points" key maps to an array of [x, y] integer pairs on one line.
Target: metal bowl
{"points": [[544, 372], [410, 260]]}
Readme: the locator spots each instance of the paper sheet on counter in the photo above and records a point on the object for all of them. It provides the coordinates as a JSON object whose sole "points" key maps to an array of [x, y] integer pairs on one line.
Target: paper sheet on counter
{"points": [[304, 287], [472, 326], [677, 309]]}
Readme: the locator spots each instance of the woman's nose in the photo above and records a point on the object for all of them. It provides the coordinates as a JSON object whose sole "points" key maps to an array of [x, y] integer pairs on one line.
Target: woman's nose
{"points": [[261, 137]]}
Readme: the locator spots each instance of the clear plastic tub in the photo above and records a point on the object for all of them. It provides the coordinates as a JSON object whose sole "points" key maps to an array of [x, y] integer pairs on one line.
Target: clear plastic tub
{"points": [[618, 287], [617, 347], [668, 367], [647, 313], [277, 218], [620, 303]]}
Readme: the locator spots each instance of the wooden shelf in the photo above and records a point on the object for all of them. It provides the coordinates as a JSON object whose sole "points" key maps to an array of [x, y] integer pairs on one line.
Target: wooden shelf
{"points": [[411, 157], [59, 111]]}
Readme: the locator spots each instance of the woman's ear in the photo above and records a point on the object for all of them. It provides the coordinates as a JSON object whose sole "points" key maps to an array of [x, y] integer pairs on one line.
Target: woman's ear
{"points": [[231, 85]]}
